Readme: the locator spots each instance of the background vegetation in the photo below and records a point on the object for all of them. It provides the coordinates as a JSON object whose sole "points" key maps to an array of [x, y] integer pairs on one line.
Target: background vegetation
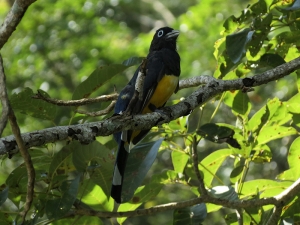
{"points": [[59, 44]]}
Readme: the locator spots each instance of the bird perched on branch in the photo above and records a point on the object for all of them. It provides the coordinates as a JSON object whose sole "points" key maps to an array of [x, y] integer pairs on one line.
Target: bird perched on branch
{"points": [[154, 81]]}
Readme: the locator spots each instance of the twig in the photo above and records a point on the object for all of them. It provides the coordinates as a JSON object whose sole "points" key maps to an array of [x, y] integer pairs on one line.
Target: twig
{"points": [[203, 191], [239, 215], [4, 99], [23, 150], [12, 19], [275, 217], [101, 112], [79, 102]]}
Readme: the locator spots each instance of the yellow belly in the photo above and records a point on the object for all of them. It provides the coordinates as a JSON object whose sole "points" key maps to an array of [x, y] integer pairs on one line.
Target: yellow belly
{"points": [[163, 92]]}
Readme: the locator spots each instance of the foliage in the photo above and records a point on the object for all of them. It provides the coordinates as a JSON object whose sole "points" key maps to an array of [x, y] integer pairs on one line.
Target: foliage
{"points": [[239, 135]]}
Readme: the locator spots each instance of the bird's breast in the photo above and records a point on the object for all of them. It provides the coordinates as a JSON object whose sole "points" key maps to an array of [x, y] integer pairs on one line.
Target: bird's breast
{"points": [[165, 88]]}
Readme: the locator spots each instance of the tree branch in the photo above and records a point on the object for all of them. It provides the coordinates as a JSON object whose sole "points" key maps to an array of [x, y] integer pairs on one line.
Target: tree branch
{"points": [[12, 19], [79, 102], [86, 133], [3, 98], [23, 150]]}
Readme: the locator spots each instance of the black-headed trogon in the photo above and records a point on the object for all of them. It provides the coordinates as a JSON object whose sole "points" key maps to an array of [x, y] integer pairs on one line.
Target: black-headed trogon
{"points": [[161, 81]]}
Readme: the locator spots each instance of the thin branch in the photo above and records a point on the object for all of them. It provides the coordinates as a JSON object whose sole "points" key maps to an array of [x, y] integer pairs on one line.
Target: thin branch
{"points": [[79, 102], [105, 111], [178, 205], [12, 19], [203, 191], [239, 215], [275, 217], [86, 133], [3, 98], [23, 150]]}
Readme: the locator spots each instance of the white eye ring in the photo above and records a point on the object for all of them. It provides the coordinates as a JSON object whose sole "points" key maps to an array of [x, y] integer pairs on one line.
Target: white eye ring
{"points": [[160, 33]]}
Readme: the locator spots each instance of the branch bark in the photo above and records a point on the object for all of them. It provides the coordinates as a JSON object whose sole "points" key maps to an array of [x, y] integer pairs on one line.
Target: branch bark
{"points": [[86, 133], [12, 19]]}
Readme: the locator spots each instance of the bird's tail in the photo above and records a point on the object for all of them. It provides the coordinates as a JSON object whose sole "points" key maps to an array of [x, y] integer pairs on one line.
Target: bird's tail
{"points": [[119, 170]]}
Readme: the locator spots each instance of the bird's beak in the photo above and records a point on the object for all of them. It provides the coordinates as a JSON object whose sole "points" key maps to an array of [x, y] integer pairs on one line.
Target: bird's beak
{"points": [[173, 34]]}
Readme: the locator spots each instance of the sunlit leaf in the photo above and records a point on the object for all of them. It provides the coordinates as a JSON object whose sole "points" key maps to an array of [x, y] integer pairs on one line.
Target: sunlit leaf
{"points": [[179, 160], [92, 195], [210, 164]]}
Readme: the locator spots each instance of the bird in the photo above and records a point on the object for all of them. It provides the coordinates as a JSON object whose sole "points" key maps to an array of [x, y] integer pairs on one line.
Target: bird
{"points": [[162, 71]]}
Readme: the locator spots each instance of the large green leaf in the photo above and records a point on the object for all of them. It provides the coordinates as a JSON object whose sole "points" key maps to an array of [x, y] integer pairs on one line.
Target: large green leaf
{"points": [[238, 102], [56, 208], [3, 195], [219, 133], [139, 161], [93, 196], [294, 162], [6, 219], [274, 132], [236, 44], [292, 209], [293, 104], [193, 121], [265, 188], [210, 164], [24, 103], [101, 76], [61, 161], [191, 215], [179, 160]]}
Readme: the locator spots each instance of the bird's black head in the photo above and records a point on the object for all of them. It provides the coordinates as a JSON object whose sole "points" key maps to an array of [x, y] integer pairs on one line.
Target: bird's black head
{"points": [[164, 37]]}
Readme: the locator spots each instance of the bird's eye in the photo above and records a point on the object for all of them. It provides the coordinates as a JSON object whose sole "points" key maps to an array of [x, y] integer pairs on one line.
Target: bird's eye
{"points": [[160, 33]]}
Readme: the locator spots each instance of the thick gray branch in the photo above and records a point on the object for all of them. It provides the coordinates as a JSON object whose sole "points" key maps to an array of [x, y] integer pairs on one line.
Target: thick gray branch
{"points": [[86, 133]]}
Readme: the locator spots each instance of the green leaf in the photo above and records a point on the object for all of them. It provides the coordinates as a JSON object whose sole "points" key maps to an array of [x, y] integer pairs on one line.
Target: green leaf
{"points": [[231, 219], [210, 164], [96, 79], [274, 132], [193, 121], [133, 61], [271, 60], [265, 188], [223, 192], [61, 161], [99, 77], [98, 161], [6, 219], [259, 7], [93, 195], [190, 215], [218, 133], [179, 160], [294, 162], [57, 208], [86, 157], [139, 161], [293, 105], [236, 173], [78, 220], [292, 210], [3, 195], [236, 44], [239, 103], [24, 103]]}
